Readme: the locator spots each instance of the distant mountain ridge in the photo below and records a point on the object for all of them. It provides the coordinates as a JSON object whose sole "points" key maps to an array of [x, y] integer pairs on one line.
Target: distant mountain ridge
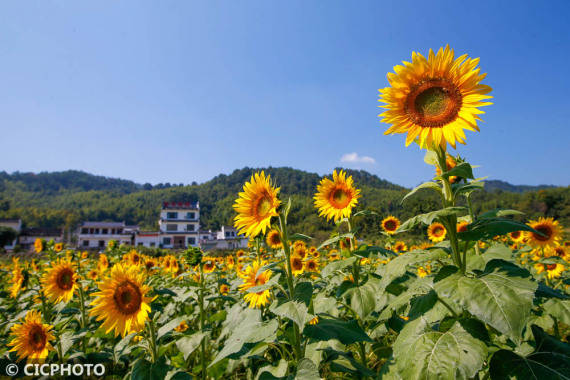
{"points": [[495, 185]]}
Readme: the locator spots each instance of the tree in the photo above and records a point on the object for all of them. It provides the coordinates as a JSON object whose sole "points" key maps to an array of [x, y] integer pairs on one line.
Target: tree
{"points": [[7, 236]]}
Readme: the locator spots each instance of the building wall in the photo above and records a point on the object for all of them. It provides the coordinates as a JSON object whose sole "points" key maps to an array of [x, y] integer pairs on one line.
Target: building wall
{"points": [[94, 241], [149, 241]]}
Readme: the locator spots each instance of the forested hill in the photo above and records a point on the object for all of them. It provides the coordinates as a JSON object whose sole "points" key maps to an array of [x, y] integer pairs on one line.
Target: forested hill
{"points": [[66, 198]]}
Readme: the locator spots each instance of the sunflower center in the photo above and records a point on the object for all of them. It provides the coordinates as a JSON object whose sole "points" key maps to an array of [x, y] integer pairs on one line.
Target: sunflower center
{"points": [[433, 103], [551, 266], [263, 207], [515, 234], [339, 198], [37, 338], [128, 298], [390, 225], [545, 230], [65, 279], [438, 231], [297, 264]]}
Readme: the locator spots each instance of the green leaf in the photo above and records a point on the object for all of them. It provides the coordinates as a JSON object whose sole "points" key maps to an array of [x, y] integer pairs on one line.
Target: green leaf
{"points": [[337, 265], [421, 352], [342, 361], [467, 188], [298, 236], [400, 264], [362, 299], [247, 333], [119, 348], [498, 213], [425, 185], [145, 370], [307, 370], [501, 297], [463, 170], [429, 217], [547, 292], [559, 309], [335, 239], [270, 372], [488, 228], [296, 311], [189, 344], [347, 332], [169, 327], [304, 292], [550, 360], [421, 304], [367, 250]]}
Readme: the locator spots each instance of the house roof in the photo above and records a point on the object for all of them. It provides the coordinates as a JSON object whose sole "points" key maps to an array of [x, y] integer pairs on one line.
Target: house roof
{"points": [[180, 205], [41, 231], [103, 224], [10, 220]]}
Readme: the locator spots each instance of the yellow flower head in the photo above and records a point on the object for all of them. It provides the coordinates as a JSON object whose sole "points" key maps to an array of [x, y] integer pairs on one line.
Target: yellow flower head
{"points": [[547, 226], [38, 245], [251, 279], [121, 301], [183, 326], [224, 289], [400, 247], [462, 226], [434, 100], [31, 338], [336, 198], [256, 205], [516, 236], [60, 281], [273, 239], [312, 265], [390, 224], [436, 232], [58, 247]]}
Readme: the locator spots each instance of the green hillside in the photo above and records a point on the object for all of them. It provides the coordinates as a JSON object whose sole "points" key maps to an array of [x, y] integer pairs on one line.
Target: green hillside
{"points": [[66, 198]]}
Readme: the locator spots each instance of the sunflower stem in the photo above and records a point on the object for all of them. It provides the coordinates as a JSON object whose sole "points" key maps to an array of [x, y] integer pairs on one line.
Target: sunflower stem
{"points": [[473, 219], [202, 324], [287, 250]]}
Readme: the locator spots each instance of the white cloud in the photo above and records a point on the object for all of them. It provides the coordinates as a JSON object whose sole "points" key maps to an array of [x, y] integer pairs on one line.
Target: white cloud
{"points": [[355, 158]]}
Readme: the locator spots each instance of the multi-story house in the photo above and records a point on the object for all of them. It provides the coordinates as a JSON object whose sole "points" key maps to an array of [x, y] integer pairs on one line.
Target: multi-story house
{"points": [[179, 224], [99, 234]]}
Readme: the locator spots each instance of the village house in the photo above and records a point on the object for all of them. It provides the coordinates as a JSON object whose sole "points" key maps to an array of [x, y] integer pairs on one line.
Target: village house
{"points": [[29, 235], [179, 224], [16, 225], [91, 235], [226, 238]]}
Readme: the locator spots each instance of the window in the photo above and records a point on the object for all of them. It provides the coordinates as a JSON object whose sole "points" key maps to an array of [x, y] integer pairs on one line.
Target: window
{"points": [[140, 244], [97, 231], [171, 215], [171, 227], [152, 244], [119, 231], [166, 241], [101, 243], [85, 231], [86, 243], [189, 227], [190, 215], [191, 241], [104, 231]]}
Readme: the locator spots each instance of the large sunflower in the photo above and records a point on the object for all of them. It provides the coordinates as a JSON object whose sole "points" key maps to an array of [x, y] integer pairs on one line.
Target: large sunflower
{"points": [[121, 301], [436, 232], [60, 281], [252, 279], [256, 205], [31, 338], [273, 239], [550, 228], [336, 198], [390, 224], [434, 100]]}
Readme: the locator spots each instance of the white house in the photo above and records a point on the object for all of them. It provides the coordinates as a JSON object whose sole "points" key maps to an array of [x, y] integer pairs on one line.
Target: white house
{"points": [[149, 239], [179, 224], [28, 236], [16, 225], [98, 234], [226, 238]]}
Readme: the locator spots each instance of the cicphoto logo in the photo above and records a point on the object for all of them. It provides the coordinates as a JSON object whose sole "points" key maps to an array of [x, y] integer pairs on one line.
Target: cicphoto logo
{"points": [[47, 369]]}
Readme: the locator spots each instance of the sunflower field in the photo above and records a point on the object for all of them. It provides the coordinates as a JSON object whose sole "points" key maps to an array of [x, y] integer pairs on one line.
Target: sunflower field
{"points": [[480, 297]]}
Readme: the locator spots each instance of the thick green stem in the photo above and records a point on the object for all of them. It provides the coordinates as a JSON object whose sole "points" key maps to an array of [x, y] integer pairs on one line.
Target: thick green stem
{"points": [[356, 264], [473, 219], [287, 250], [202, 324]]}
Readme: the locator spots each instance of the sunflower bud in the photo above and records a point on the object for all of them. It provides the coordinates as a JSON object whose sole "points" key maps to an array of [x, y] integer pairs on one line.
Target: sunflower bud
{"points": [[194, 256]]}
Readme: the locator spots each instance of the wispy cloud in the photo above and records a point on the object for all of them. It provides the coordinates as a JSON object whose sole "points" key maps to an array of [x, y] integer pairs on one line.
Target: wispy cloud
{"points": [[354, 158]]}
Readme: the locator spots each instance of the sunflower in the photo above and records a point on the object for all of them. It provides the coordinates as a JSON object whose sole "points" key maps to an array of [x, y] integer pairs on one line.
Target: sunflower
{"points": [[390, 224], [121, 301], [434, 100], [256, 205], [314, 321], [252, 279], [209, 265], [58, 247], [150, 263], [436, 232], [333, 255], [300, 250], [132, 258], [424, 271], [516, 236], [182, 326], [230, 261], [297, 265], [273, 239], [336, 198], [224, 289], [19, 278], [93, 274], [547, 226], [560, 251], [312, 265], [39, 245], [31, 338], [400, 247], [462, 226], [60, 281], [552, 270]]}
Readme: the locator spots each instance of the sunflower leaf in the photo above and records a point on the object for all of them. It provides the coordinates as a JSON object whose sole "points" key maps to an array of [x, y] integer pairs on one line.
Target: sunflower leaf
{"points": [[429, 217], [488, 228], [425, 185]]}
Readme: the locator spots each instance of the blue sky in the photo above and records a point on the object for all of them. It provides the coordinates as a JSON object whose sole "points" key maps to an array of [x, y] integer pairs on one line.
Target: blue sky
{"points": [[177, 91]]}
